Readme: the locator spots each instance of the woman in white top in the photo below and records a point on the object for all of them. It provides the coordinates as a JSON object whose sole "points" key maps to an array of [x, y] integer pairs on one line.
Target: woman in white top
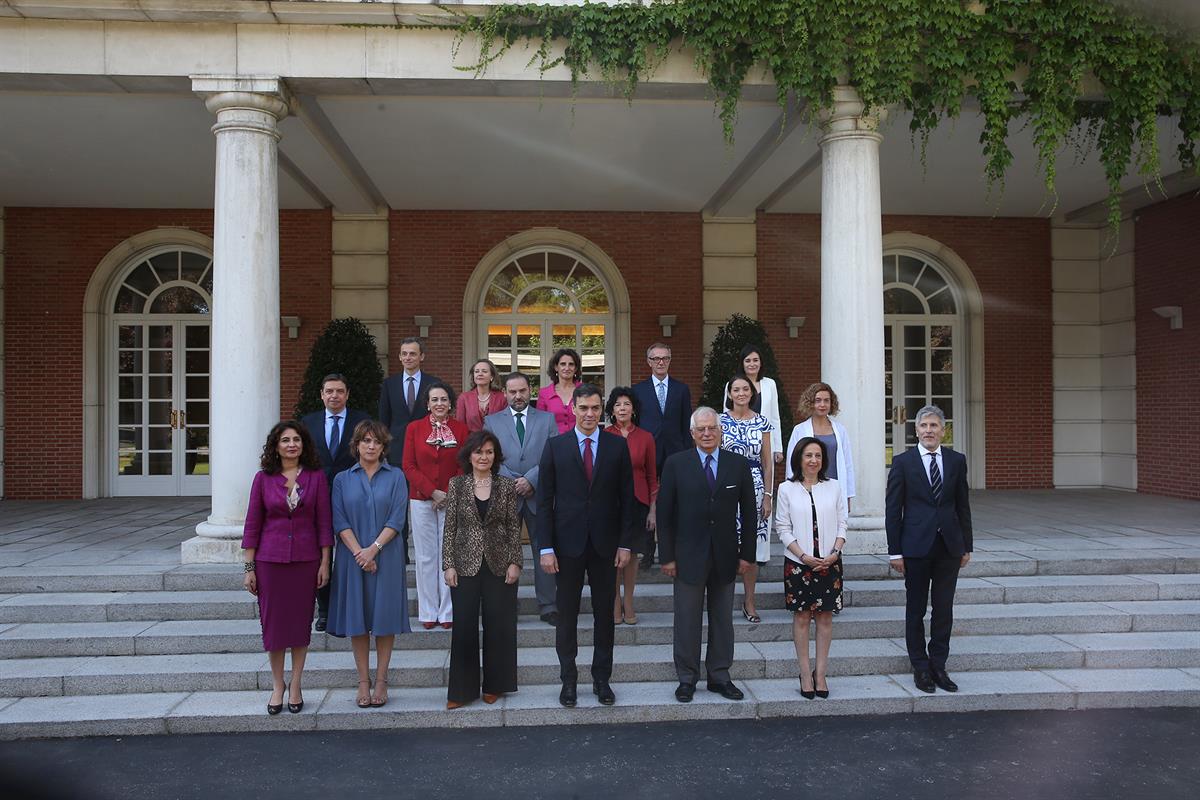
{"points": [[766, 397], [811, 516], [818, 405]]}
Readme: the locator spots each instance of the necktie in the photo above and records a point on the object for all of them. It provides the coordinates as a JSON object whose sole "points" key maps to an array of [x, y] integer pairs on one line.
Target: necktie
{"points": [[710, 473], [335, 433], [935, 478], [521, 427], [662, 397], [587, 459], [411, 397]]}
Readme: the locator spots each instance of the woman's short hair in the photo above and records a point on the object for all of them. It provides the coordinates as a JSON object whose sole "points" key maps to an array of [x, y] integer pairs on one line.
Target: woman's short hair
{"points": [[376, 430], [616, 394], [476, 441], [270, 461], [494, 383], [739, 376], [798, 459], [552, 370], [809, 396], [439, 385]]}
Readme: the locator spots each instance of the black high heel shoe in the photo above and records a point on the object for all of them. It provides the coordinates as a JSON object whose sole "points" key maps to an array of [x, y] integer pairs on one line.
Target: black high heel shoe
{"points": [[811, 693], [272, 710], [821, 693], [296, 708]]}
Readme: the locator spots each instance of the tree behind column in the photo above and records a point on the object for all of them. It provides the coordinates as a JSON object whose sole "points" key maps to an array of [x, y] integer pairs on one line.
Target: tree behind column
{"points": [[345, 346]]}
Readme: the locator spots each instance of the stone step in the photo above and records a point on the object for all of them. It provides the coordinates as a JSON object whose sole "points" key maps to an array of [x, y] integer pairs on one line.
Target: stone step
{"points": [[654, 597], [984, 563], [648, 701]]}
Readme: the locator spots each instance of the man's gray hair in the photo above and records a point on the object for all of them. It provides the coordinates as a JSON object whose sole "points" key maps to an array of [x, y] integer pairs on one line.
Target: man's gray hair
{"points": [[701, 411], [930, 411], [658, 346]]}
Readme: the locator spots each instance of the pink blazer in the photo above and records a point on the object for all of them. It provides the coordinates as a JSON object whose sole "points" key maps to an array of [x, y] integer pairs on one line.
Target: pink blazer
{"points": [[282, 536], [548, 400], [466, 409]]}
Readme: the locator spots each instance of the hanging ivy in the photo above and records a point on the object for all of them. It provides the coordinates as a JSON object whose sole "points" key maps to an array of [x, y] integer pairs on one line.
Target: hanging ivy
{"points": [[1081, 72]]}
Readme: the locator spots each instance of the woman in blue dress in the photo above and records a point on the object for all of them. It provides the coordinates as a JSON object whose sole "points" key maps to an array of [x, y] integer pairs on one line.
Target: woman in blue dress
{"points": [[747, 433], [369, 594]]}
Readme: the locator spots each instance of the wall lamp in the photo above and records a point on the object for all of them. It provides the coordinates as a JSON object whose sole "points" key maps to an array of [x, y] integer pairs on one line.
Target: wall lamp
{"points": [[1172, 313], [667, 321], [424, 322], [292, 324], [794, 324]]}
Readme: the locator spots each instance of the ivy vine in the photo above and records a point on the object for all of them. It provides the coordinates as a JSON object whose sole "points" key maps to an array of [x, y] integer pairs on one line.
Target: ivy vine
{"points": [[1082, 72]]}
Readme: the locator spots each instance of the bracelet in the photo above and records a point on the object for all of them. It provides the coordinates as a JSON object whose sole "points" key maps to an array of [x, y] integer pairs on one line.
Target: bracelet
{"points": [[768, 494], [247, 566]]}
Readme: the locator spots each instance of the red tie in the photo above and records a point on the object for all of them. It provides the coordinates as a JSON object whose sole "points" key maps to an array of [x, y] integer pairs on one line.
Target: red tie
{"points": [[587, 459]]}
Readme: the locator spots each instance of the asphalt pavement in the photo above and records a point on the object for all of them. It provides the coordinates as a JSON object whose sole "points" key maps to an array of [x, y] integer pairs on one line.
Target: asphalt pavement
{"points": [[1153, 753]]}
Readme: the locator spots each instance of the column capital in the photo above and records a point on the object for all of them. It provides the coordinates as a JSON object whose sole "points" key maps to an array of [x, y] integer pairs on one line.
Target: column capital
{"points": [[258, 95], [846, 118]]}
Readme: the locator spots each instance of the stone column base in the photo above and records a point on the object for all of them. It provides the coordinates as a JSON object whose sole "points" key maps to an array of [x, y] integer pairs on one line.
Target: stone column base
{"points": [[208, 550], [866, 535]]}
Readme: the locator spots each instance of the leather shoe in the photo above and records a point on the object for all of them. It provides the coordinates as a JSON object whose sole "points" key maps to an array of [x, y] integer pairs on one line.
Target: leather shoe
{"points": [[604, 693], [321, 623], [727, 690], [943, 680], [550, 618], [568, 695], [923, 680], [685, 692]]}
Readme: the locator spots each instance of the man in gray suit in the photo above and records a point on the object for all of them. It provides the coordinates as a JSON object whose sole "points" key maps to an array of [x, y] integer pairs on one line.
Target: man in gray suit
{"points": [[523, 431]]}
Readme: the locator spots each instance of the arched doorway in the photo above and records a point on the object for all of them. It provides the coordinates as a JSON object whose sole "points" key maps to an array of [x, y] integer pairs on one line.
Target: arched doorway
{"points": [[157, 374], [932, 347], [542, 290]]}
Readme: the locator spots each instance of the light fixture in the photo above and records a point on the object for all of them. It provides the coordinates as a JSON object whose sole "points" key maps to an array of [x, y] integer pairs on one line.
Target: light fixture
{"points": [[667, 321], [1172, 313], [794, 324], [292, 324], [424, 322]]}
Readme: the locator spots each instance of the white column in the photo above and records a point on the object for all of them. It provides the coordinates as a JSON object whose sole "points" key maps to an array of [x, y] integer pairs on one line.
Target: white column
{"points": [[244, 383], [852, 301]]}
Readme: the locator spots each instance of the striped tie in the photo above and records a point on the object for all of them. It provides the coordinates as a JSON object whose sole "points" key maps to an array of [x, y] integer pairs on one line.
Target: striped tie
{"points": [[935, 478]]}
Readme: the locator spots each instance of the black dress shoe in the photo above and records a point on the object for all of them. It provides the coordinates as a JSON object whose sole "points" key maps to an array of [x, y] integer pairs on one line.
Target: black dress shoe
{"points": [[604, 693], [923, 680], [296, 708], [943, 680], [685, 692], [321, 623], [550, 618], [726, 690], [568, 695]]}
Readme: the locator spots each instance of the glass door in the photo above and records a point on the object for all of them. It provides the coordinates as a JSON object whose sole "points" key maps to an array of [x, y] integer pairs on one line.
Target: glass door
{"points": [[919, 360], [529, 346]]}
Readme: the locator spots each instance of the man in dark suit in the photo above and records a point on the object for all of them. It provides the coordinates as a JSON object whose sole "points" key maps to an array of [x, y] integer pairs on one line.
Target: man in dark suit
{"points": [[666, 410], [402, 396], [331, 430], [928, 519], [523, 432], [585, 528], [699, 499]]}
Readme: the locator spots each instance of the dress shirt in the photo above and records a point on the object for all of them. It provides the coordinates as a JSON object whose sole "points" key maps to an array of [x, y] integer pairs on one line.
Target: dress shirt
{"points": [[926, 461], [662, 383], [416, 379], [329, 415], [715, 456]]}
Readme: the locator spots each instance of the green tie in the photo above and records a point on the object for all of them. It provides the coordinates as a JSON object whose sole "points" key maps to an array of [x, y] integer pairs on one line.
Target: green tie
{"points": [[520, 427]]}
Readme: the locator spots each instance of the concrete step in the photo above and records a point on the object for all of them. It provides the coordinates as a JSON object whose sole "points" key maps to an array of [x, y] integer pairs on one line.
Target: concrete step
{"points": [[647, 701], [651, 597]]}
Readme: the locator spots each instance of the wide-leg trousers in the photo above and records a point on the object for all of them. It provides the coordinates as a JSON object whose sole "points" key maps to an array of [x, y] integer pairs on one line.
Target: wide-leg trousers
{"points": [[433, 595], [498, 601]]}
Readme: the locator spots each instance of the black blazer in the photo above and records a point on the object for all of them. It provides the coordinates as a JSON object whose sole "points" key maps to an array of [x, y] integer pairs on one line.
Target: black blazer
{"points": [[694, 523], [333, 463], [393, 411], [671, 429], [911, 516], [570, 513]]}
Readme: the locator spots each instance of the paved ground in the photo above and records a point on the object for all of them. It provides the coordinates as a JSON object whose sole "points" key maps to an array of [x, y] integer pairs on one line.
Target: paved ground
{"points": [[1059, 755], [148, 531]]}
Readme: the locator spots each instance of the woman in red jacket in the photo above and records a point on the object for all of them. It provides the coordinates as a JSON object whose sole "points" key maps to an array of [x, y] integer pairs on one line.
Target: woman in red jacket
{"points": [[287, 541], [623, 410], [431, 446]]}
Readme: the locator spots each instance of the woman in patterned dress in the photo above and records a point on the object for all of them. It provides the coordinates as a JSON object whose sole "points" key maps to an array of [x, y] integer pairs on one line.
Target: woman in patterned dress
{"points": [[749, 434], [811, 521]]}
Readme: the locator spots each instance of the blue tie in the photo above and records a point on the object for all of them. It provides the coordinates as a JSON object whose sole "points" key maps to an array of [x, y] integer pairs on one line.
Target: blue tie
{"points": [[710, 473], [662, 398], [335, 434], [935, 478]]}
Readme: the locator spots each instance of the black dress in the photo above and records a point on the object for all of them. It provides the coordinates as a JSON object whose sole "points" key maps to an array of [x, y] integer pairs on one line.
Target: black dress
{"points": [[809, 589]]}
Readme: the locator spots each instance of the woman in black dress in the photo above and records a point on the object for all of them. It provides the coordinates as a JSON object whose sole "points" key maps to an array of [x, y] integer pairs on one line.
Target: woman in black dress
{"points": [[810, 517]]}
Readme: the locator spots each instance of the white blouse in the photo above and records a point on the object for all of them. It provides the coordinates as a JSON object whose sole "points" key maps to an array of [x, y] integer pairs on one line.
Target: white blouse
{"points": [[793, 516]]}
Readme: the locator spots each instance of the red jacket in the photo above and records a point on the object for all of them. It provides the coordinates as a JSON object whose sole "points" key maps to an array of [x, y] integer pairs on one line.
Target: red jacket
{"points": [[282, 536], [645, 472], [427, 467]]}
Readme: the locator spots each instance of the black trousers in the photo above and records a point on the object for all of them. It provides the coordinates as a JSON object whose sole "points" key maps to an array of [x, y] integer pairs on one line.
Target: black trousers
{"points": [[932, 578], [601, 576], [499, 602]]}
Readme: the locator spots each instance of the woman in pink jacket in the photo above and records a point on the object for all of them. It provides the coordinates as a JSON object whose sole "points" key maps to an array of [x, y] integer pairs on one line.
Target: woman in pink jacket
{"points": [[287, 542]]}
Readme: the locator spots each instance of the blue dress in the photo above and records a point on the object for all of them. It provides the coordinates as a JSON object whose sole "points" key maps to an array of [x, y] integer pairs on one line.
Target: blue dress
{"points": [[361, 602]]}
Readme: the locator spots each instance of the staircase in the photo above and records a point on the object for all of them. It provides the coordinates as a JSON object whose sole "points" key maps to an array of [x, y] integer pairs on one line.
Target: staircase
{"points": [[123, 650]]}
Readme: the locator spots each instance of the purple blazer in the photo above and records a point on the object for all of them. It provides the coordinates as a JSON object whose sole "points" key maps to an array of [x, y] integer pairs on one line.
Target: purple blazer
{"points": [[283, 536]]}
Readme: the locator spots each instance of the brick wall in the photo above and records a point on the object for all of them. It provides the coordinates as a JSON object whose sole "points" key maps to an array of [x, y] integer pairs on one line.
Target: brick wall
{"points": [[1010, 259], [51, 254], [1167, 240], [433, 253]]}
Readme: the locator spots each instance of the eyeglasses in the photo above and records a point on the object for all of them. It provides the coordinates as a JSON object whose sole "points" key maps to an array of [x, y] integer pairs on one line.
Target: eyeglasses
{"points": [[707, 429], [660, 359]]}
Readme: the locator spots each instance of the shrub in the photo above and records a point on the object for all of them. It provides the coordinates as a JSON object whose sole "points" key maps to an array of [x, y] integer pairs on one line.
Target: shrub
{"points": [[345, 346]]}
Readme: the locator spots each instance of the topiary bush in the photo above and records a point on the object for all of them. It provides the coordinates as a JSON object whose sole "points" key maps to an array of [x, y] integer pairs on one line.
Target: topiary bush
{"points": [[725, 361], [345, 346]]}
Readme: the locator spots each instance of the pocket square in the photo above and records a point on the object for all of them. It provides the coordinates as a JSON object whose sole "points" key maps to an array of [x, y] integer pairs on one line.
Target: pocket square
{"points": [[731, 486]]}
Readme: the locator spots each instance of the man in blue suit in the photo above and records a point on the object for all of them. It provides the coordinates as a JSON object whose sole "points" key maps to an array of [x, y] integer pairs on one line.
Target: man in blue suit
{"points": [[331, 429], [402, 396], [928, 520], [666, 413]]}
